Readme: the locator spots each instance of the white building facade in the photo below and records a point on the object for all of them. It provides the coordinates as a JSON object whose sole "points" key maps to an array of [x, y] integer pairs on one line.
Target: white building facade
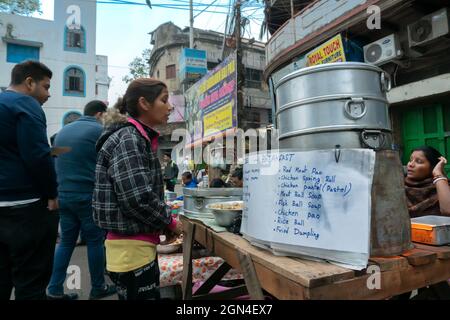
{"points": [[67, 45]]}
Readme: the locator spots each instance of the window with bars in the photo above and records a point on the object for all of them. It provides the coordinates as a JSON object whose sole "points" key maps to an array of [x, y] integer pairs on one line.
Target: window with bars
{"points": [[75, 40], [171, 71], [74, 82], [253, 115], [270, 115], [253, 78]]}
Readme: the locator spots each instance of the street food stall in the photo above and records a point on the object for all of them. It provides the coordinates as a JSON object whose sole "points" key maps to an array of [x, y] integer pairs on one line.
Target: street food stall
{"points": [[300, 279], [324, 217]]}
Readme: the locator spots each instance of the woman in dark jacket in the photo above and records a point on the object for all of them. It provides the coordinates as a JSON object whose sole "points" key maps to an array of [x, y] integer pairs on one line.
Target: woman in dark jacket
{"points": [[128, 196]]}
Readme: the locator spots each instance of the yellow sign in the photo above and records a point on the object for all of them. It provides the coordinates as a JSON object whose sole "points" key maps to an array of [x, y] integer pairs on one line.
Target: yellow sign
{"points": [[220, 75], [330, 51], [218, 120]]}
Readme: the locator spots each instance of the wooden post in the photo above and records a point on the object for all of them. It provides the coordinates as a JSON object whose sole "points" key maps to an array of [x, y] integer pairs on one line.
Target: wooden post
{"points": [[209, 284], [188, 241], [191, 25], [240, 69], [292, 9], [250, 277]]}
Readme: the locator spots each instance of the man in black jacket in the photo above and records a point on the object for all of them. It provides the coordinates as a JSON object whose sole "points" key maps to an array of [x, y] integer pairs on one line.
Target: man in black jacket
{"points": [[170, 172], [28, 194]]}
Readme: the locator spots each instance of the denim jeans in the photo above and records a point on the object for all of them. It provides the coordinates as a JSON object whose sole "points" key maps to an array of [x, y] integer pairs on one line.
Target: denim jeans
{"points": [[76, 214]]}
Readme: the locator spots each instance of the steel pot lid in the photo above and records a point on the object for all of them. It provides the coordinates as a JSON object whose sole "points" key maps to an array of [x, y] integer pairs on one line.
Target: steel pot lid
{"points": [[328, 67], [212, 192]]}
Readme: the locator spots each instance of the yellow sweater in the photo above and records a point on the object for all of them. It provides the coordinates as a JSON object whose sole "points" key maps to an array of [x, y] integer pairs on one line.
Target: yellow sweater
{"points": [[128, 255]]}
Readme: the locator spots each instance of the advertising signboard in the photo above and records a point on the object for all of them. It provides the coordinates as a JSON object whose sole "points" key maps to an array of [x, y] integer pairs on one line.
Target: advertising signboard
{"points": [[211, 102], [192, 64], [330, 51]]}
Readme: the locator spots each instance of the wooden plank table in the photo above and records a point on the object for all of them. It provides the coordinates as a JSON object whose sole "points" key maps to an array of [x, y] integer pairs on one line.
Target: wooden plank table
{"points": [[298, 279]]}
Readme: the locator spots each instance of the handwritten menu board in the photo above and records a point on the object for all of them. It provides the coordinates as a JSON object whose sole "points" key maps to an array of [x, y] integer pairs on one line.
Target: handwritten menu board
{"points": [[314, 199]]}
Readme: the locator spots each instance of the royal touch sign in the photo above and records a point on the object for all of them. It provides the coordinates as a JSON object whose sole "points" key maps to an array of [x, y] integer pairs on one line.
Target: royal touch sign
{"points": [[329, 52]]}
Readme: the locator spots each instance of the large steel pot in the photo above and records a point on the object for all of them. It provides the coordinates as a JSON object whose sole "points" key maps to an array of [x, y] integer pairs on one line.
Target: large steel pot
{"points": [[334, 104], [343, 105], [196, 200]]}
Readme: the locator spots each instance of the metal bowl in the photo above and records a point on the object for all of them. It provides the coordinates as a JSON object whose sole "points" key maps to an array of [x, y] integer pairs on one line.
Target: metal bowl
{"points": [[225, 217], [168, 248]]}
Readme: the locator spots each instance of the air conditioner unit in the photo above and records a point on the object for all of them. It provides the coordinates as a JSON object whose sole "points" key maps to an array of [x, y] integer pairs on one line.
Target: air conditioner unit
{"points": [[383, 50], [428, 28]]}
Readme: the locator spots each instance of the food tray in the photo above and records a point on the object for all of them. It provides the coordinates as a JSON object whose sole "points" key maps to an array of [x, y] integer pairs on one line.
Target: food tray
{"points": [[434, 230]]}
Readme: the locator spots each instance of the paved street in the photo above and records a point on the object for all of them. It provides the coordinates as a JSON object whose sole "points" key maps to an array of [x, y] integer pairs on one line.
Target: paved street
{"points": [[79, 258]]}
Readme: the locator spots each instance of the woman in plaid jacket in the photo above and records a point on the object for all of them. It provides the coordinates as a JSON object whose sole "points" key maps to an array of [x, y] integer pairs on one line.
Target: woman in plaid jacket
{"points": [[128, 196]]}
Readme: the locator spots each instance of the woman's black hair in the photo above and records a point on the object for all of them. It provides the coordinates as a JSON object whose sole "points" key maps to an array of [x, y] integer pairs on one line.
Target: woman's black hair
{"points": [[148, 88], [238, 173], [431, 154]]}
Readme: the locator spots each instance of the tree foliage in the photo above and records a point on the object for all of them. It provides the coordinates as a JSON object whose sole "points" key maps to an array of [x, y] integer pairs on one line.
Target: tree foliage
{"points": [[139, 67], [23, 7]]}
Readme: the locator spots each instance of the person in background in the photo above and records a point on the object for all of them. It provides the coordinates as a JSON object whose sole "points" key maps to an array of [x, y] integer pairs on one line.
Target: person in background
{"points": [[170, 172], [200, 174], [76, 175], [426, 184], [67, 120], [428, 193], [217, 183], [28, 188], [188, 181], [128, 199], [236, 178]]}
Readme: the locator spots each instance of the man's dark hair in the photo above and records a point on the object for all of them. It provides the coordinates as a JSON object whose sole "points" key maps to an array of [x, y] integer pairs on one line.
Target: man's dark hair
{"points": [[237, 173], [93, 107], [217, 183], [168, 154], [33, 69], [187, 175]]}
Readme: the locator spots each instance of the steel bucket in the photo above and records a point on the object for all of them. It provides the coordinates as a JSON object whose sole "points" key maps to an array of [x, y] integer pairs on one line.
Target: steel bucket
{"points": [[343, 105], [196, 200], [334, 104]]}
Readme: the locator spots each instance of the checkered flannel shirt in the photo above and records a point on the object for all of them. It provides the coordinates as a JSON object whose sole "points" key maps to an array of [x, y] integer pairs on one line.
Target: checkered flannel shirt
{"points": [[128, 195]]}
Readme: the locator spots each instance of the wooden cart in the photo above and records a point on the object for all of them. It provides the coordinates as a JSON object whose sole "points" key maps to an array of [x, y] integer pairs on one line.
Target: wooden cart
{"points": [[294, 278]]}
